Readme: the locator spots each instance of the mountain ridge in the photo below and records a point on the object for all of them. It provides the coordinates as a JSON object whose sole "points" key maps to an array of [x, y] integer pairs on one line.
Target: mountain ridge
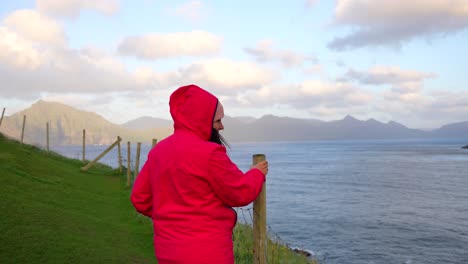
{"points": [[67, 123], [66, 126]]}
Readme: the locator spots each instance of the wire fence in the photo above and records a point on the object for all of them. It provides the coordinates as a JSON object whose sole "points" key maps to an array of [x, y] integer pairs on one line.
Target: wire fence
{"points": [[278, 250]]}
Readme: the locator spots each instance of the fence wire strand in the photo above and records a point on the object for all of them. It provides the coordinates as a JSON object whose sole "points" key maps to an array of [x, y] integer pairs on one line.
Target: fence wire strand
{"points": [[271, 235]]}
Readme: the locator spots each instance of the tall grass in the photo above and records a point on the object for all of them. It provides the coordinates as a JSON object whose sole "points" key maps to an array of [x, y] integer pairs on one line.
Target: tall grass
{"points": [[277, 252]]}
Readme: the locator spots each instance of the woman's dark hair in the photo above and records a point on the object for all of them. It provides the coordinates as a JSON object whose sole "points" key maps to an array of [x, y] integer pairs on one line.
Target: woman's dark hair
{"points": [[217, 138], [215, 135]]}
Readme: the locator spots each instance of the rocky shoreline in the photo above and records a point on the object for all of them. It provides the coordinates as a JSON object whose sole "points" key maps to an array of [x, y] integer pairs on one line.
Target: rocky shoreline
{"points": [[302, 252]]}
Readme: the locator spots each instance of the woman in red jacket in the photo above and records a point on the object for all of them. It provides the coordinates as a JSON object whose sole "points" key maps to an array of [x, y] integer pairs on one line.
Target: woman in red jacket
{"points": [[189, 185]]}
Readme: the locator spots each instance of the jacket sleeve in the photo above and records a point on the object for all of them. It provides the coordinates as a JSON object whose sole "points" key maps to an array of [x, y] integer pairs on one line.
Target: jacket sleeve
{"points": [[231, 185], [141, 197]]}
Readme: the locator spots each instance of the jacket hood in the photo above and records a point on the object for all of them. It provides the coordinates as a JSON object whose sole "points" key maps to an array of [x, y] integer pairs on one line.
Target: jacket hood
{"points": [[193, 108]]}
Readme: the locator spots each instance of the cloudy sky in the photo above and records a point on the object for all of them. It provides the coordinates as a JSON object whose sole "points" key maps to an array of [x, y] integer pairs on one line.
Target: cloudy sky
{"points": [[397, 60]]}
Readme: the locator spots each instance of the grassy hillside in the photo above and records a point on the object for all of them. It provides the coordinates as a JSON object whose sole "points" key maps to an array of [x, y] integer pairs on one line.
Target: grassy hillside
{"points": [[53, 213]]}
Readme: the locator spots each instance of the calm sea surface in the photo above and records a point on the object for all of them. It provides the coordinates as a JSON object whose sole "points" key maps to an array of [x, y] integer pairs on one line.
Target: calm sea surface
{"points": [[398, 201]]}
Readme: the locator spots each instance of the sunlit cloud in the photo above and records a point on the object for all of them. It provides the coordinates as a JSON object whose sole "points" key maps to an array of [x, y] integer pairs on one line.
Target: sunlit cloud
{"points": [[265, 52], [227, 76], [66, 71], [17, 52], [393, 22], [73, 8], [310, 94], [425, 109], [382, 74], [36, 27], [157, 46], [193, 11]]}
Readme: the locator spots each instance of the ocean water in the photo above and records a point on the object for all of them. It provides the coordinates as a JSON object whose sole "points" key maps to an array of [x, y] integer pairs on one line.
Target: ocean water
{"points": [[393, 201]]}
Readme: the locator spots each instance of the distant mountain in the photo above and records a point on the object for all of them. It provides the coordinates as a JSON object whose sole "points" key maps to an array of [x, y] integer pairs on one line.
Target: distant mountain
{"points": [[147, 122], [66, 126], [269, 128], [273, 128], [246, 119], [455, 130]]}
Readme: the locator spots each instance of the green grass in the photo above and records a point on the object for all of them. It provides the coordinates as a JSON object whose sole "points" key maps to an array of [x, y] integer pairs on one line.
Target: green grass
{"points": [[277, 253], [53, 213]]}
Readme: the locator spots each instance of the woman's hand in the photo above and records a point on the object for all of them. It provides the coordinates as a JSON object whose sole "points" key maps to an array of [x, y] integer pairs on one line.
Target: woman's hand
{"points": [[262, 166]]}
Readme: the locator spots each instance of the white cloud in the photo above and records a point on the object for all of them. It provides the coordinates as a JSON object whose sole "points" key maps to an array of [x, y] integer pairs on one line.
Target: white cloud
{"points": [[427, 110], [57, 70], [264, 52], [391, 22], [226, 75], [17, 52], [309, 99], [157, 46], [147, 77], [73, 8], [449, 101], [310, 95], [65, 71], [36, 27], [193, 11], [101, 59], [400, 95], [407, 88], [333, 95], [404, 95], [382, 74]]}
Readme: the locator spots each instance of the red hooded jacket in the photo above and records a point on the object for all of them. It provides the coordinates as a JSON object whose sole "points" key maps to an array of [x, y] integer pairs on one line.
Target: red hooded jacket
{"points": [[188, 186]]}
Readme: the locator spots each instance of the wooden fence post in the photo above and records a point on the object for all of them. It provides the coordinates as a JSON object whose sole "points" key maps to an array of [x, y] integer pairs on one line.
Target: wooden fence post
{"points": [[47, 136], [22, 131], [85, 168], [259, 220], [154, 142], [128, 164], [84, 145], [120, 156], [137, 160], [1, 120]]}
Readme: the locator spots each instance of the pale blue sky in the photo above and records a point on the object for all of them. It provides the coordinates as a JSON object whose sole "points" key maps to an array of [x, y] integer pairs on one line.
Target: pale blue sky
{"points": [[389, 60]]}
